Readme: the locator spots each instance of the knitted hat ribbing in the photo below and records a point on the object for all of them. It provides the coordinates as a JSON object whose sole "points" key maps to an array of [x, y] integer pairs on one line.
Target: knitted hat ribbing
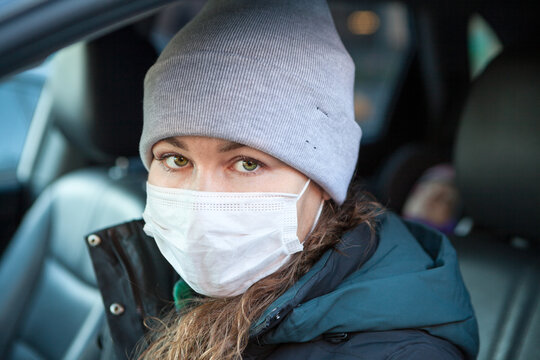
{"points": [[272, 75]]}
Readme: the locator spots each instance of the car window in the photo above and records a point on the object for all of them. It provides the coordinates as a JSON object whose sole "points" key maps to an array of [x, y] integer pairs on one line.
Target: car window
{"points": [[19, 95], [377, 35], [483, 44]]}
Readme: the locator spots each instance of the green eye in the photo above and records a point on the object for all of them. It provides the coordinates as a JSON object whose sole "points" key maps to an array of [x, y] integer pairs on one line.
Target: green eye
{"points": [[246, 166], [249, 165], [176, 161]]}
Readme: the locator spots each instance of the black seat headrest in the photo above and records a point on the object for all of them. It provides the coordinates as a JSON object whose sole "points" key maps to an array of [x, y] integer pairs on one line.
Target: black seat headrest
{"points": [[98, 90], [497, 153]]}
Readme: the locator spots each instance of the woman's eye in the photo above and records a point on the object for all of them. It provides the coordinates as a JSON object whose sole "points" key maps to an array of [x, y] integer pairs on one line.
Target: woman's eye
{"points": [[176, 161], [246, 166]]}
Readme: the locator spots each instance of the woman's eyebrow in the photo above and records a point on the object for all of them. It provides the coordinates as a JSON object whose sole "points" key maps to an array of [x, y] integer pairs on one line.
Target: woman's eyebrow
{"points": [[229, 146], [176, 142]]}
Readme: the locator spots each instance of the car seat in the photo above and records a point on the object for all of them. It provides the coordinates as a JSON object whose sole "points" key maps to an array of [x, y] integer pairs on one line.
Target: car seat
{"points": [[497, 160], [50, 306]]}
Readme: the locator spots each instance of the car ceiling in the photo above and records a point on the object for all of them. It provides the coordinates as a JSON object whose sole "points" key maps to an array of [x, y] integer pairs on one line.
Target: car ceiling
{"points": [[34, 33], [514, 22]]}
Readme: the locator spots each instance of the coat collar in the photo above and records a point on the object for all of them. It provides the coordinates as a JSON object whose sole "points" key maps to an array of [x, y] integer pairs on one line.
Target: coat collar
{"points": [[354, 249], [410, 281]]}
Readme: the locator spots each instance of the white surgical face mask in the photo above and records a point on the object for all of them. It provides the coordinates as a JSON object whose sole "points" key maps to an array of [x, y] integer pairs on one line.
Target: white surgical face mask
{"points": [[221, 243]]}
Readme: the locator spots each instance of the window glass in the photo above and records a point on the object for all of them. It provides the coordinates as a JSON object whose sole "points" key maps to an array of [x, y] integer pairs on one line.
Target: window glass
{"points": [[18, 99], [377, 35], [484, 44]]}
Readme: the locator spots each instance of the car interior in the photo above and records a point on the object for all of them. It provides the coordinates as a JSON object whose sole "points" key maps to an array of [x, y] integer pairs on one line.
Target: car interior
{"points": [[47, 272], [416, 97]]}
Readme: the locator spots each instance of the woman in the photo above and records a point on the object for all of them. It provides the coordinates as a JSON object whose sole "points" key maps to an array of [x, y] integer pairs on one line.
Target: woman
{"points": [[251, 144]]}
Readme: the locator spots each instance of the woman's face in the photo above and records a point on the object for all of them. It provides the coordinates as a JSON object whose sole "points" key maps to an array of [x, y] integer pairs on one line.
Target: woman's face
{"points": [[210, 164]]}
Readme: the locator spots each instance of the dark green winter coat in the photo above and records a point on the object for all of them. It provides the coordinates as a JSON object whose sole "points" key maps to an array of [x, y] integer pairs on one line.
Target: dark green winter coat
{"points": [[397, 295]]}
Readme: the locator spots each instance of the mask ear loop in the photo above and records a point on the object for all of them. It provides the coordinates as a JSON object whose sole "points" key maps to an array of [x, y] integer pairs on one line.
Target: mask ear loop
{"points": [[319, 212], [303, 189]]}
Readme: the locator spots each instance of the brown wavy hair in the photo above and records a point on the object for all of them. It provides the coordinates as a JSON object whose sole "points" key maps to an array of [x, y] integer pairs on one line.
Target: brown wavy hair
{"points": [[218, 328]]}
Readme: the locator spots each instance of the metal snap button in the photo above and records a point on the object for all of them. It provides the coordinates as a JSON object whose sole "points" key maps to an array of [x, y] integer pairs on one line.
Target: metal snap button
{"points": [[93, 240], [116, 309]]}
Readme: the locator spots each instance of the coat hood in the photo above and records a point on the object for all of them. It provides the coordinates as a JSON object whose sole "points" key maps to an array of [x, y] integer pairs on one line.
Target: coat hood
{"points": [[410, 281]]}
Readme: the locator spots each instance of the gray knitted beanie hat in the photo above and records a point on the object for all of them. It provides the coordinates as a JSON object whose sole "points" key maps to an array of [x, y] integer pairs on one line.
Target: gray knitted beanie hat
{"points": [[270, 74]]}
